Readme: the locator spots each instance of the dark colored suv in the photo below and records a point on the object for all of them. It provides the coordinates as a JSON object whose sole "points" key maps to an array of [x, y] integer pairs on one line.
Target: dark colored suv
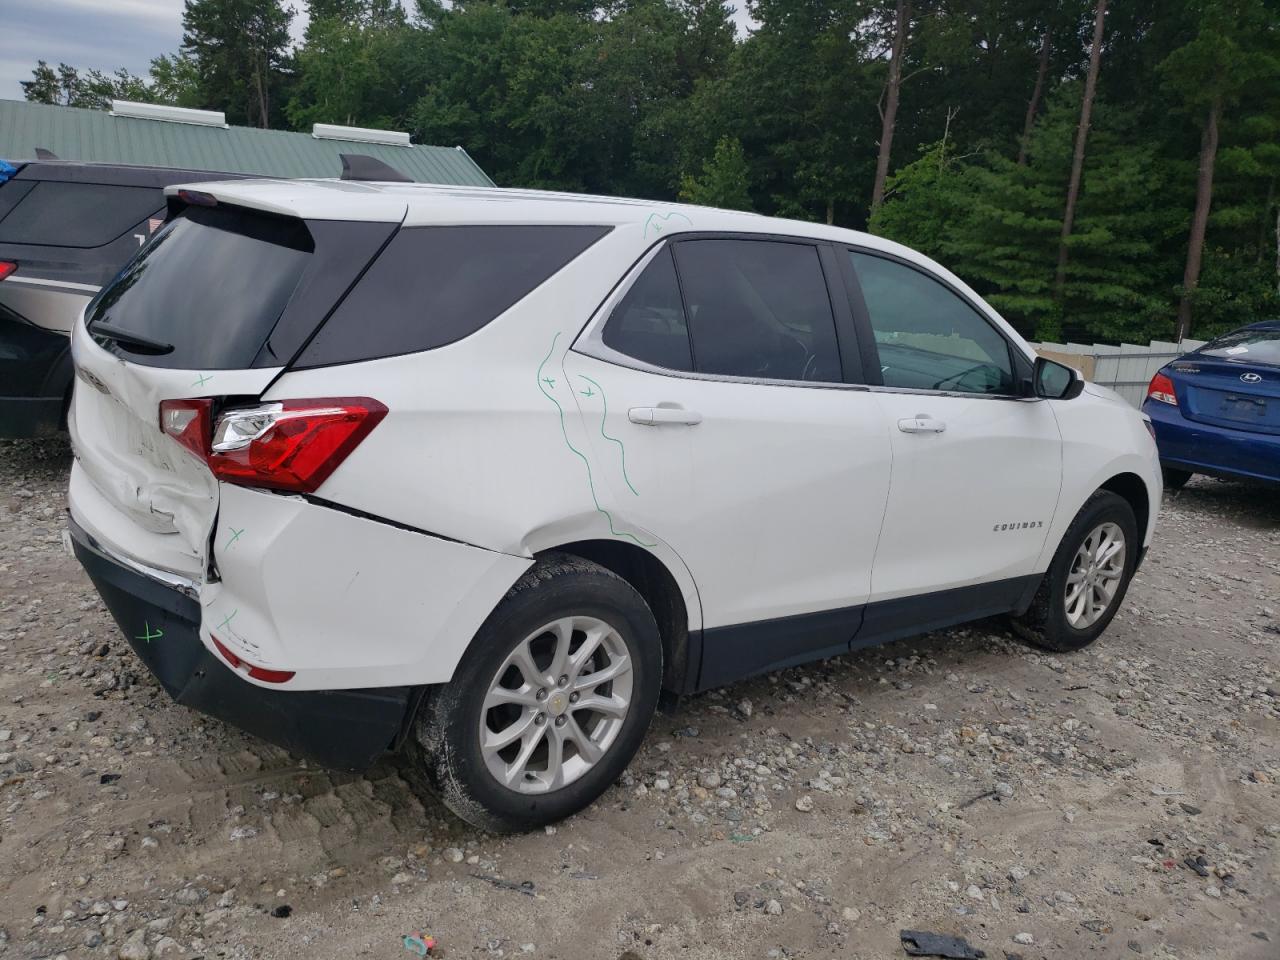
{"points": [[66, 228]]}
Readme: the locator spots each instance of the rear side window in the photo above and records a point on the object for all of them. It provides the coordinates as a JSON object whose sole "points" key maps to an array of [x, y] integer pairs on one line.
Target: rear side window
{"points": [[211, 284], [61, 214], [759, 309], [433, 286], [649, 323]]}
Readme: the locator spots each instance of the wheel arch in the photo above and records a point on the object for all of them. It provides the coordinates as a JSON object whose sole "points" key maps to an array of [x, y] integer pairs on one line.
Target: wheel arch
{"points": [[666, 593], [1133, 489]]}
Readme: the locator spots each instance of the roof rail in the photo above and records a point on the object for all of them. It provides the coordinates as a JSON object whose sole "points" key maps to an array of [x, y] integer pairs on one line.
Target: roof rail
{"points": [[358, 166]]}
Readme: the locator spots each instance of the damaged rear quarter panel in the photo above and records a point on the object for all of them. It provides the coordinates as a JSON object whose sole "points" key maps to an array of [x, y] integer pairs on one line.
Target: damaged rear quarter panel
{"points": [[342, 600]]}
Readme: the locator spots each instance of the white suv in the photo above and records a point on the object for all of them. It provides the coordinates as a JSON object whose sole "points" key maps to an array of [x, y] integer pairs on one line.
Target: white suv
{"points": [[484, 471]]}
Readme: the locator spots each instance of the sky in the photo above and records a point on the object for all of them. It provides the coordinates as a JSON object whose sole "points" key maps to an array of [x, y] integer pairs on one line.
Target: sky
{"points": [[91, 34], [105, 34]]}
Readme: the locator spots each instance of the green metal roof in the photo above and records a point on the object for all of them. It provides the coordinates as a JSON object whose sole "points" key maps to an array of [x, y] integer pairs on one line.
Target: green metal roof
{"points": [[95, 136]]}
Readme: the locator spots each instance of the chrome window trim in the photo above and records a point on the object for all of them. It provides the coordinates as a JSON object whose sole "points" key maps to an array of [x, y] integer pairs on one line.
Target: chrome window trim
{"points": [[590, 342]]}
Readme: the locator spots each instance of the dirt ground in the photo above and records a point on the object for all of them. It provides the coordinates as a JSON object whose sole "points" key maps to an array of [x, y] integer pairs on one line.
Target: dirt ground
{"points": [[1118, 802]]}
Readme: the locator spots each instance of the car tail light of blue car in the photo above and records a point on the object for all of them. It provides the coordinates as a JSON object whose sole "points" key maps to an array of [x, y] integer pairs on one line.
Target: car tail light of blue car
{"points": [[1216, 410]]}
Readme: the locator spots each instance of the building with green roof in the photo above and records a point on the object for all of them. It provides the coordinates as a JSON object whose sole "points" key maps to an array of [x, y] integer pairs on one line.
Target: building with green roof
{"points": [[153, 134]]}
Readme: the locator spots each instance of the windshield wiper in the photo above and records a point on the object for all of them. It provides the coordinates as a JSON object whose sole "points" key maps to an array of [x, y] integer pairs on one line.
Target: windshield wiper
{"points": [[129, 339]]}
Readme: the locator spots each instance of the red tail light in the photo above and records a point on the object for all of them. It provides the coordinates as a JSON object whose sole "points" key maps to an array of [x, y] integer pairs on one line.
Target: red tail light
{"points": [[188, 422], [7, 267], [290, 445], [287, 445], [1161, 389], [258, 673]]}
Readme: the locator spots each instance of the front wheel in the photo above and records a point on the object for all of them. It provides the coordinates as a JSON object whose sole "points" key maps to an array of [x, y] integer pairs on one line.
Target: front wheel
{"points": [[1087, 580], [549, 704]]}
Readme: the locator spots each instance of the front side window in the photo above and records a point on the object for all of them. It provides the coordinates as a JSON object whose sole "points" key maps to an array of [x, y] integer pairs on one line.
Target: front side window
{"points": [[929, 338], [758, 309]]}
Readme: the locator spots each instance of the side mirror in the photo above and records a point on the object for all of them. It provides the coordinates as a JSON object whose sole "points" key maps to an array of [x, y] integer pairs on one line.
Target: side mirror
{"points": [[1056, 381]]}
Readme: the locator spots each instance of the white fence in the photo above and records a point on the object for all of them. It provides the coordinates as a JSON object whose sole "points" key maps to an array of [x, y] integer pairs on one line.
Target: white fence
{"points": [[1128, 368]]}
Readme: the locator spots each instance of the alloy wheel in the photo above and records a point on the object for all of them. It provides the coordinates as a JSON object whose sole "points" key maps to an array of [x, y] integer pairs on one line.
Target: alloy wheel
{"points": [[1097, 570], [556, 705]]}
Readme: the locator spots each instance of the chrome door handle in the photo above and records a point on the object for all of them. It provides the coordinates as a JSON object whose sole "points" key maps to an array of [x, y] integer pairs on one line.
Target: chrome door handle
{"points": [[921, 423], [654, 416]]}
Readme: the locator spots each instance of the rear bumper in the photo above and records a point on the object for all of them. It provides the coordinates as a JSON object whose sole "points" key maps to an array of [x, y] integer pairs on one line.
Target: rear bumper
{"points": [[24, 418], [343, 729], [1217, 451]]}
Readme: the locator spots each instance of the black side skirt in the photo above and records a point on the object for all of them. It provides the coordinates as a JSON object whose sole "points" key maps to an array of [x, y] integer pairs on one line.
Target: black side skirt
{"points": [[744, 650]]}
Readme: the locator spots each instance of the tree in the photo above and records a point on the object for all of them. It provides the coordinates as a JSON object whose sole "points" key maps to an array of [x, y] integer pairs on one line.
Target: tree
{"points": [[1208, 75], [175, 79], [353, 65], [94, 89], [724, 179], [893, 87], [240, 51], [1082, 134]]}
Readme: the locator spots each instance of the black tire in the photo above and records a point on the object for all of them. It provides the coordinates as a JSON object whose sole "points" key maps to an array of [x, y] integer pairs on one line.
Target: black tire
{"points": [[1175, 479], [444, 753], [1045, 623]]}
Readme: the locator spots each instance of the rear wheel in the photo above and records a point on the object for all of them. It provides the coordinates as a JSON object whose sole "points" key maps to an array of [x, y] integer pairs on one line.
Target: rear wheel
{"points": [[1087, 580], [549, 704], [1175, 479]]}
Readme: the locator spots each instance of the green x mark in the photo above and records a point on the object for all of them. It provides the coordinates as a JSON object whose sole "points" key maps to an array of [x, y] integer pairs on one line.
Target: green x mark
{"points": [[550, 382], [235, 535], [148, 636], [202, 380], [587, 392], [226, 623]]}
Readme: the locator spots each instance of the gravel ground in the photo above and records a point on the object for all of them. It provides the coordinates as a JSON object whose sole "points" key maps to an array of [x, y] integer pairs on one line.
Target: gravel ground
{"points": [[1118, 802]]}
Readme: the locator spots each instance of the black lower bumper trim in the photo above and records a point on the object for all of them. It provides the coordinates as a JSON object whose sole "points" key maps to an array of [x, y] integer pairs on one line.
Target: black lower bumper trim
{"points": [[343, 729]]}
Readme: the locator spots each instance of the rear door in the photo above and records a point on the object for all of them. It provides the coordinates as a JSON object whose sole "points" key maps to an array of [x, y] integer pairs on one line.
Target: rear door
{"points": [[213, 306], [719, 421], [976, 465]]}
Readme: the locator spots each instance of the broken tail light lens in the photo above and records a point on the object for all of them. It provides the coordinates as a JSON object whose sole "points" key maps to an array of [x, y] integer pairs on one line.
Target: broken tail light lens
{"points": [[290, 445], [188, 422], [1161, 390], [7, 267]]}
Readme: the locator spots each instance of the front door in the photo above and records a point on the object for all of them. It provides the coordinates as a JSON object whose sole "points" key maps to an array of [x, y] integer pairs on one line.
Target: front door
{"points": [[976, 465], [719, 422]]}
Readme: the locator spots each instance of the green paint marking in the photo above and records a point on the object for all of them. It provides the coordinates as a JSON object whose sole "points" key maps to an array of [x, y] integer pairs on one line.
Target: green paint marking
{"points": [[587, 392], [550, 382], [604, 402], [235, 535], [227, 621], [666, 218], [202, 380], [578, 453], [147, 635]]}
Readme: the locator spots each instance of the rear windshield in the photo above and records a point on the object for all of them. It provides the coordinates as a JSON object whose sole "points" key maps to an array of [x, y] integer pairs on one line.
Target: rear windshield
{"points": [[211, 285], [54, 213], [1247, 346]]}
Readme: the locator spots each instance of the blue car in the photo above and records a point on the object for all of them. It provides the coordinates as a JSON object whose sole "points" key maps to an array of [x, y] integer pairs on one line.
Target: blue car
{"points": [[1216, 410]]}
